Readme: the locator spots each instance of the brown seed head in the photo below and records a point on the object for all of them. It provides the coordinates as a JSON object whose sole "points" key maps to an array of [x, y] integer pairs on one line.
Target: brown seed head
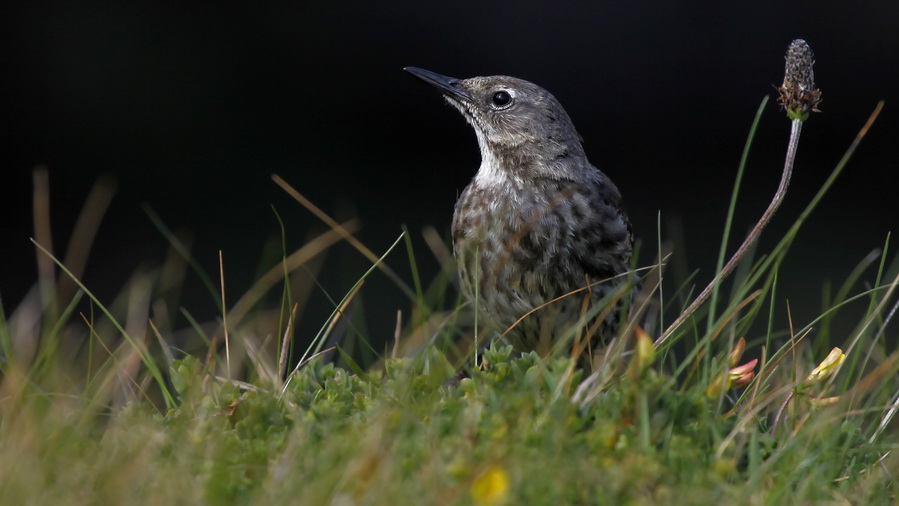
{"points": [[798, 94]]}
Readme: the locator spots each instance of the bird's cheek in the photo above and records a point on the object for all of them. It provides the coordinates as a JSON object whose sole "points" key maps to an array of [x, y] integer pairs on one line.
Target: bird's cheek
{"points": [[506, 138]]}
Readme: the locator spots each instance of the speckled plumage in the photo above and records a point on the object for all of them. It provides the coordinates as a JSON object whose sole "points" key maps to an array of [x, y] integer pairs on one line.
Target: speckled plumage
{"points": [[538, 220]]}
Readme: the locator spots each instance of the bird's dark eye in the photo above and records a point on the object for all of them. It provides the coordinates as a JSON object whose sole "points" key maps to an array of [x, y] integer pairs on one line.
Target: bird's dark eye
{"points": [[501, 98]]}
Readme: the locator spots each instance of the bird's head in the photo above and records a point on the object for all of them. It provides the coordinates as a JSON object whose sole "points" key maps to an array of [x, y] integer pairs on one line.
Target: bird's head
{"points": [[517, 122]]}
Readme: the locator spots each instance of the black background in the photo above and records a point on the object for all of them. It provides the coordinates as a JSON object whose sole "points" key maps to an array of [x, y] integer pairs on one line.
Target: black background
{"points": [[193, 106]]}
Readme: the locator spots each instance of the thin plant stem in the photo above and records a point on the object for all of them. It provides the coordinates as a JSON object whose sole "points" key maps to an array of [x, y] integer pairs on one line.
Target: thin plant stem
{"points": [[750, 239], [732, 208]]}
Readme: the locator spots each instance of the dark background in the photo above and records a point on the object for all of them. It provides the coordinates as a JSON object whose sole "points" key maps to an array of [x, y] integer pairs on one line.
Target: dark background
{"points": [[193, 107]]}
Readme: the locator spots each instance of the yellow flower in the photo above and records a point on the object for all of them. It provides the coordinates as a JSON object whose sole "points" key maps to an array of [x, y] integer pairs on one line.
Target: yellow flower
{"points": [[826, 368], [820, 402], [644, 354], [741, 376], [491, 487], [737, 377]]}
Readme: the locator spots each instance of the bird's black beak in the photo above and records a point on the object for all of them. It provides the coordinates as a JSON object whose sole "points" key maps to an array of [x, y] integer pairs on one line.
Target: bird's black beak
{"points": [[449, 86]]}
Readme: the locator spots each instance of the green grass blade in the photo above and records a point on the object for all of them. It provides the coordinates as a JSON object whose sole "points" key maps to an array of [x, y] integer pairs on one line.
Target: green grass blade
{"points": [[728, 221], [145, 358]]}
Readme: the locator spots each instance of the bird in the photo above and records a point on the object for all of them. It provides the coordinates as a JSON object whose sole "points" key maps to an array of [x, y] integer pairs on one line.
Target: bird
{"points": [[541, 240]]}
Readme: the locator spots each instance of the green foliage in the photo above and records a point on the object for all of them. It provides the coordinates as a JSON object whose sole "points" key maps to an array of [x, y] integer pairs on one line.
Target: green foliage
{"points": [[412, 433]]}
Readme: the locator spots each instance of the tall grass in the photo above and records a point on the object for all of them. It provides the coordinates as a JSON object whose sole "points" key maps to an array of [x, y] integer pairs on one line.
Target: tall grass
{"points": [[109, 402]]}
